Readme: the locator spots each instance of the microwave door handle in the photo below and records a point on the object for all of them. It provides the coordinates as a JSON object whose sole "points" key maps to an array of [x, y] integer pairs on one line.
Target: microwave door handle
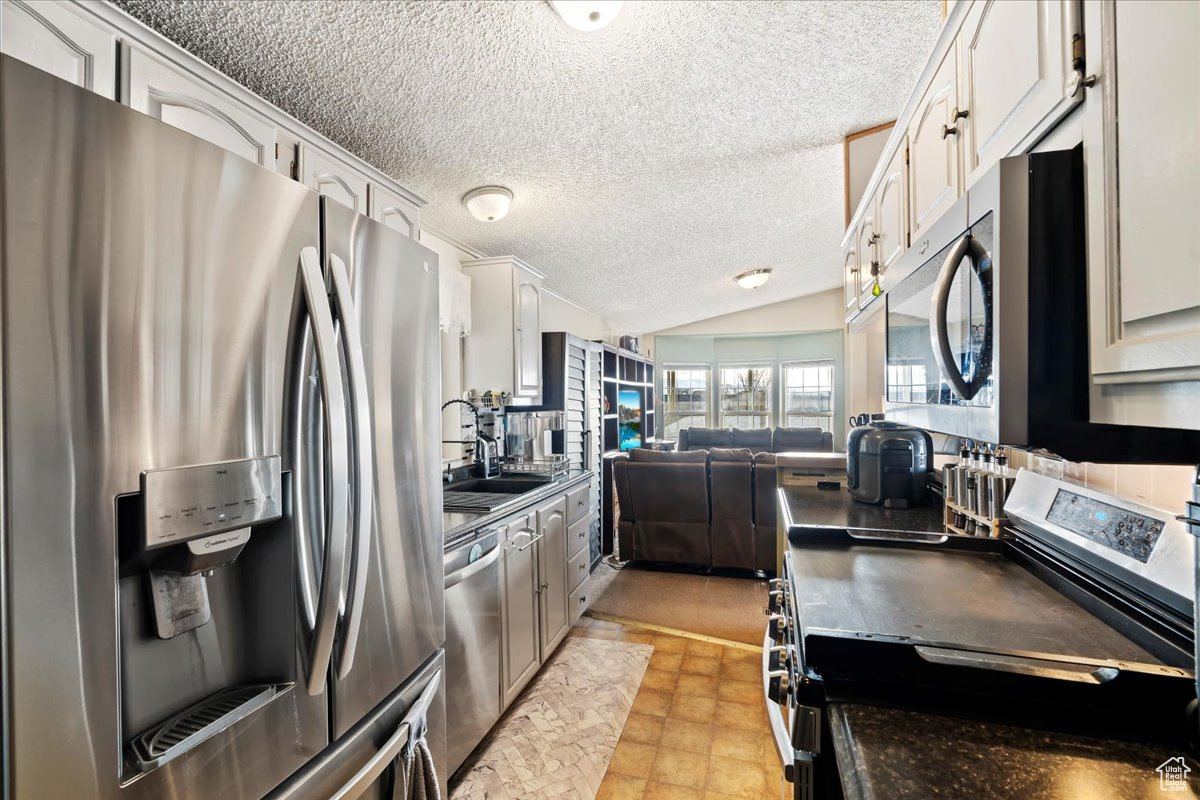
{"points": [[939, 333], [364, 462], [324, 616]]}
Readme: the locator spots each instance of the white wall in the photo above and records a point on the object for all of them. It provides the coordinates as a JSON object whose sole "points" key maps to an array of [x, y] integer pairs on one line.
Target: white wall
{"points": [[561, 314], [450, 257], [814, 312]]}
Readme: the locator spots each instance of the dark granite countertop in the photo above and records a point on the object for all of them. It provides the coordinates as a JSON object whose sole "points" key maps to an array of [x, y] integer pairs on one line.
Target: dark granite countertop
{"points": [[458, 524], [810, 507], [897, 754]]}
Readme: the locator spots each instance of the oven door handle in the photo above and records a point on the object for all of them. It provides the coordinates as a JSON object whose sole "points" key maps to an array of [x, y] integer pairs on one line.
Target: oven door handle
{"points": [[967, 247], [1019, 665]]}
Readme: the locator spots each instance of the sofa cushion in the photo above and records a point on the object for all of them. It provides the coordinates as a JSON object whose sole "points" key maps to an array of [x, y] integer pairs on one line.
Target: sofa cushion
{"points": [[709, 437], [787, 439], [642, 455], [764, 458], [754, 438], [731, 454]]}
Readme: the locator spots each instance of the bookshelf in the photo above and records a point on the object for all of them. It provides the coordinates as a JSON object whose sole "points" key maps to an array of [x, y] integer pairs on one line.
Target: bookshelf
{"points": [[622, 371]]}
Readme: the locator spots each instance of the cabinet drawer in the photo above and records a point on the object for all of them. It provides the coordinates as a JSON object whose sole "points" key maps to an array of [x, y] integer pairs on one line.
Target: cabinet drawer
{"points": [[581, 595], [577, 536], [577, 502], [577, 567]]}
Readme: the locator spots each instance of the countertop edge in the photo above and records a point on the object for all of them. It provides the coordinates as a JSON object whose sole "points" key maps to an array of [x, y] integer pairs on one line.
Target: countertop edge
{"points": [[855, 784], [528, 499]]}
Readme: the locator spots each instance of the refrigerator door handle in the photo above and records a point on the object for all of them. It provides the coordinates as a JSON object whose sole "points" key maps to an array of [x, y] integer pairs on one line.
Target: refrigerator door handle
{"points": [[408, 733], [323, 619], [364, 462]]}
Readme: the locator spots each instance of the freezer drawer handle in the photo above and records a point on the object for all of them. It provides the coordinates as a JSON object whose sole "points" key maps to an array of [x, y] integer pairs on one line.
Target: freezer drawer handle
{"points": [[364, 462], [408, 732], [321, 611]]}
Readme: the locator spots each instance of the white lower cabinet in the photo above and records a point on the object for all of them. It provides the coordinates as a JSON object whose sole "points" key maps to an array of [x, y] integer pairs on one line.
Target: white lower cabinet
{"points": [[172, 95], [545, 577], [1141, 139], [521, 651], [552, 567]]}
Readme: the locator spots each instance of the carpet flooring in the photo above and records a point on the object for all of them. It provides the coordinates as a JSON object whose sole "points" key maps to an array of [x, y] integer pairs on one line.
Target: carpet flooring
{"points": [[557, 739], [720, 607]]}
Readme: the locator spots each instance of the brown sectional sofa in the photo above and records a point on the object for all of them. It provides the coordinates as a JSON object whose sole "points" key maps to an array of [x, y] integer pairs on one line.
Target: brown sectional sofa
{"points": [[757, 440], [707, 508]]}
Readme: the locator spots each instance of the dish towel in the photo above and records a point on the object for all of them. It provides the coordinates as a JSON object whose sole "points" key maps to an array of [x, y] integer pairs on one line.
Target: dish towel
{"points": [[418, 778]]}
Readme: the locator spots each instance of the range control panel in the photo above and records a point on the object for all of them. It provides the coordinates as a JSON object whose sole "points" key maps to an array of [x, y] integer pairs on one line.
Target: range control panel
{"points": [[1128, 532], [189, 502]]}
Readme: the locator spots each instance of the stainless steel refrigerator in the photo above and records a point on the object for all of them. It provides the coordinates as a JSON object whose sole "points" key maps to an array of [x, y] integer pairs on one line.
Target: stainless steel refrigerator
{"points": [[222, 555]]}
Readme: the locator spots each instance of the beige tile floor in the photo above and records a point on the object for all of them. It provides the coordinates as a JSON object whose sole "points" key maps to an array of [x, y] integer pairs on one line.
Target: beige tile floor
{"points": [[697, 729]]}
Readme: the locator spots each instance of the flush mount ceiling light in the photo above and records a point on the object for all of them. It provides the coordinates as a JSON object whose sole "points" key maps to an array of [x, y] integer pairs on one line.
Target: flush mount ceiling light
{"points": [[488, 203], [587, 15], [753, 278]]}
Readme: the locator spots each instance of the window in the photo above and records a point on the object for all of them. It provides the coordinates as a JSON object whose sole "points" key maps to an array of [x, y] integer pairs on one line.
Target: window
{"points": [[745, 394], [906, 383], [684, 401], [808, 395]]}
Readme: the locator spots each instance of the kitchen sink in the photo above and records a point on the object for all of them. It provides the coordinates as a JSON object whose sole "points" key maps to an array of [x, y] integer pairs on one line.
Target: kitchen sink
{"points": [[496, 485]]}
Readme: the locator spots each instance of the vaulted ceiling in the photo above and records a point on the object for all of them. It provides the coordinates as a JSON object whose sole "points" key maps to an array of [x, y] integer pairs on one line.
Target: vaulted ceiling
{"points": [[650, 161]]}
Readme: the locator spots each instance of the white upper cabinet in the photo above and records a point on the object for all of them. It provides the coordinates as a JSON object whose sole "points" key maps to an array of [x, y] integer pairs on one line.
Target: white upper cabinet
{"points": [[1142, 166], [1015, 65], [850, 277], [527, 337], [62, 40], [331, 177], [891, 213], [170, 94], [933, 171], [868, 258], [504, 350], [392, 210]]}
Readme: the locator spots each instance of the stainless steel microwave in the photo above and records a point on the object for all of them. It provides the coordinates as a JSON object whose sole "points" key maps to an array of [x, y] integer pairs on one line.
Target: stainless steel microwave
{"points": [[987, 328]]}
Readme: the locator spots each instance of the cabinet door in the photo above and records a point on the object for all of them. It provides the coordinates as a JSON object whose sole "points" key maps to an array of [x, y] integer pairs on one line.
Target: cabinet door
{"points": [[850, 274], [891, 218], [392, 210], [527, 335], [330, 177], [59, 39], [1142, 166], [933, 164], [1016, 61], [521, 653], [179, 99], [868, 258], [552, 567]]}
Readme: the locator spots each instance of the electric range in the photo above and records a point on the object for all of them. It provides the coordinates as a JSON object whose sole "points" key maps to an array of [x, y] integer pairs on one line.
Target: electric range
{"points": [[1080, 622]]}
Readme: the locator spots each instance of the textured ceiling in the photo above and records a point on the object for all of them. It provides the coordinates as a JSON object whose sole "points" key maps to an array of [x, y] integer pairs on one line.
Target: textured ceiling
{"points": [[650, 161]]}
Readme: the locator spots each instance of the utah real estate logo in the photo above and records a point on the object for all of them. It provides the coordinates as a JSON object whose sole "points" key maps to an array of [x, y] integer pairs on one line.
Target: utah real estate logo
{"points": [[1172, 775]]}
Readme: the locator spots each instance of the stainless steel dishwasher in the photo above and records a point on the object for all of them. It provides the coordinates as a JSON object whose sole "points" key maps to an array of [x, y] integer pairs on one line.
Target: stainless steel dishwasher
{"points": [[473, 623]]}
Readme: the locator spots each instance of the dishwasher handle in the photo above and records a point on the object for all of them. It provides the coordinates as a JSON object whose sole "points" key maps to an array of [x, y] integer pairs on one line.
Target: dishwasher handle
{"points": [[474, 568]]}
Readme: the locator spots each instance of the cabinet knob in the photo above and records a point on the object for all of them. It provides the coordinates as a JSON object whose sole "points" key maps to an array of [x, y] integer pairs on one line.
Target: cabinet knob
{"points": [[874, 238], [958, 113], [948, 130]]}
